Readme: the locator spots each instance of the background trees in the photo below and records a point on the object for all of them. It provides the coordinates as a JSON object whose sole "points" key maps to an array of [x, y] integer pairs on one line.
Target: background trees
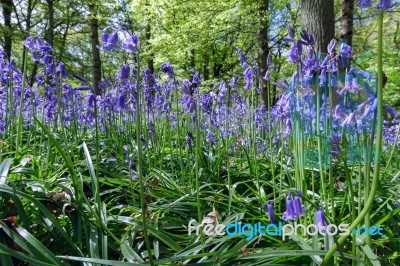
{"points": [[195, 34]]}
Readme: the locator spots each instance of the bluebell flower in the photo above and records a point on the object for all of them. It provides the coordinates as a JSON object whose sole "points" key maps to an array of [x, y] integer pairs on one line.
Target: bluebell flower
{"points": [[271, 212], [346, 54], [90, 100], [306, 38], [298, 207], [364, 3], [80, 78], [384, 5], [390, 110], [46, 59], [130, 45], [125, 71], [189, 140], [121, 104], [196, 80], [242, 57], [248, 77], [62, 70], [233, 83], [331, 46], [167, 69], [291, 32], [320, 219], [289, 214], [267, 75], [108, 42], [294, 52]]}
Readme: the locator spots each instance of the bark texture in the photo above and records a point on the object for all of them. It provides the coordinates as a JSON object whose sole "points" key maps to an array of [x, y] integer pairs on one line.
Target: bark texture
{"points": [[346, 21], [7, 6], [94, 40], [318, 17]]}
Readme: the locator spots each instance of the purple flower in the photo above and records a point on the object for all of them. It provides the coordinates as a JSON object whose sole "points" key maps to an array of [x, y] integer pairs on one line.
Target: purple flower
{"points": [[42, 46], [271, 212], [306, 38], [384, 5], [109, 42], [289, 214], [345, 52], [348, 120], [121, 104], [320, 219], [29, 43], [130, 45], [331, 46], [46, 59], [291, 32], [61, 69], [391, 111], [298, 207], [242, 57], [186, 88], [364, 3], [167, 69], [295, 52], [80, 78], [248, 77], [189, 140], [90, 100], [233, 83], [125, 71], [267, 75], [196, 80]]}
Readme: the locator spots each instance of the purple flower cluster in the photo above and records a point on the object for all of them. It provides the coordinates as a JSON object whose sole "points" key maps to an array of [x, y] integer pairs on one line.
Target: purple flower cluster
{"points": [[294, 208], [224, 112], [352, 93], [383, 4]]}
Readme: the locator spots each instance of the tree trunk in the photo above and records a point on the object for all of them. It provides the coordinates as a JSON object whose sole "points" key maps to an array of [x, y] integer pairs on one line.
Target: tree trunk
{"points": [[192, 61], [7, 6], [206, 71], [346, 21], [94, 40], [263, 50], [50, 29], [318, 17], [150, 60]]}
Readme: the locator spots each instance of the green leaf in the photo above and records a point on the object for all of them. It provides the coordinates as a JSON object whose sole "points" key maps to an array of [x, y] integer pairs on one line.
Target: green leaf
{"points": [[4, 169]]}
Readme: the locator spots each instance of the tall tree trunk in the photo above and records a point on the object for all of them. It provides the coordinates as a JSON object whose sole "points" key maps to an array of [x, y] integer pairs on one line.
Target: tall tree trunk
{"points": [[50, 28], [192, 61], [150, 60], [263, 50], [206, 70], [346, 21], [318, 17], [7, 6], [94, 40]]}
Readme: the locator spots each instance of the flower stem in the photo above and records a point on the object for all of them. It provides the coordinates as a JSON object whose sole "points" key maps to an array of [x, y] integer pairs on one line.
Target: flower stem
{"points": [[140, 163]]}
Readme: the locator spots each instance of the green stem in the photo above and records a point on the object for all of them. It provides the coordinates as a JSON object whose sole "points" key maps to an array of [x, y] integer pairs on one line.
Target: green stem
{"points": [[140, 163], [20, 117]]}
